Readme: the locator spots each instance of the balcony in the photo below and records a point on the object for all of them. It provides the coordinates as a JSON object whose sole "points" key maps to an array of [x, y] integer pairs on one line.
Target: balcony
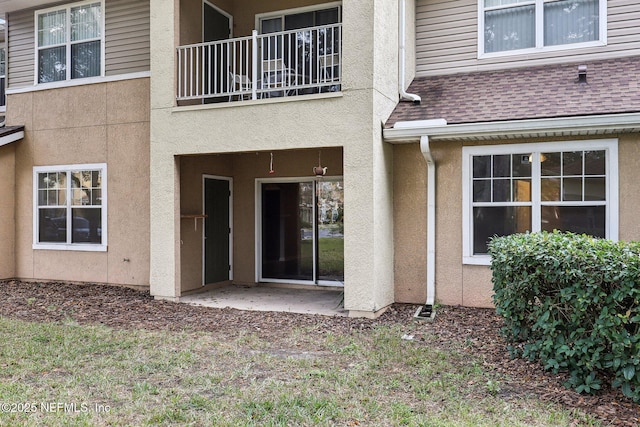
{"points": [[278, 64]]}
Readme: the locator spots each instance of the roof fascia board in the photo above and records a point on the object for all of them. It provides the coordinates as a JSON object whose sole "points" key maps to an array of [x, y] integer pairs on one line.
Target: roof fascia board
{"points": [[12, 137], [404, 132]]}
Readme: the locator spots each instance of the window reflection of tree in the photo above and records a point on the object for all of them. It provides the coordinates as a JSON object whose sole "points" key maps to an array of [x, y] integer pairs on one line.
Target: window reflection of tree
{"points": [[301, 49]]}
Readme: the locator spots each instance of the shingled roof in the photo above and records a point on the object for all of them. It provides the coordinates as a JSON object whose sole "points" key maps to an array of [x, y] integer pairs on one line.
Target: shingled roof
{"points": [[613, 86]]}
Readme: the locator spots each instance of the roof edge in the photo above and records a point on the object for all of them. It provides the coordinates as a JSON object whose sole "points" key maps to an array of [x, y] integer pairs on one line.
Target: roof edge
{"points": [[11, 134], [411, 131]]}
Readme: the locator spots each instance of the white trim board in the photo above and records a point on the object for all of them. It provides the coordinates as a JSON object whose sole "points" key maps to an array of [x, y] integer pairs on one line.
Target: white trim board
{"points": [[411, 131]]}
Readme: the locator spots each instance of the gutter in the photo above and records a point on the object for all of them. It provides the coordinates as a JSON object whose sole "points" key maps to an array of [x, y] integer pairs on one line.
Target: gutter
{"points": [[438, 129], [402, 53]]}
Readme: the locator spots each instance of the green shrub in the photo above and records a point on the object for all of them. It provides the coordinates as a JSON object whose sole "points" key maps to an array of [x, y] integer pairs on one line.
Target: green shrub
{"points": [[572, 302]]}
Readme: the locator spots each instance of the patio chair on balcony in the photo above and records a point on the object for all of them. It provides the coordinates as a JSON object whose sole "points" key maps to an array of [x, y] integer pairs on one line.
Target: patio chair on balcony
{"points": [[330, 71], [240, 86], [277, 75]]}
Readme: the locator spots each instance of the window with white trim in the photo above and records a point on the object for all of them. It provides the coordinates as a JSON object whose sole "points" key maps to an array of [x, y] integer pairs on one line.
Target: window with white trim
{"points": [[508, 26], [70, 207], [69, 42], [309, 44], [304, 17], [516, 188]]}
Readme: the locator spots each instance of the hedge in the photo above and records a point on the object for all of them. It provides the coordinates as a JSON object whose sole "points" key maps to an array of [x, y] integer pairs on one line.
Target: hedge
{"points": [[572, 302]]}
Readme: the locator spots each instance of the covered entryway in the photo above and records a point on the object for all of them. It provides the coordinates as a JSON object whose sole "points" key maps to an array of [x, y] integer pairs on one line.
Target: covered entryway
{"points": [[8, 135], [242, 225]]}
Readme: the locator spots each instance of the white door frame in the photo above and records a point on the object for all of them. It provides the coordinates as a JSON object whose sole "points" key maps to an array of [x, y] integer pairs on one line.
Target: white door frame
{"points": [[258, 239], [258, 233]]}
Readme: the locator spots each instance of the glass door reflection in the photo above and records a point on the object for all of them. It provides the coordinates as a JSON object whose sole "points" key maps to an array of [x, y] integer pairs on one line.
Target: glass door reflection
{"points": [[330, 215]]}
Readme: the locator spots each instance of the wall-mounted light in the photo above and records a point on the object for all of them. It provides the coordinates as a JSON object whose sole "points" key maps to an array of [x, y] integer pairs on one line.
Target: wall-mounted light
{"points": [[582, 74]]}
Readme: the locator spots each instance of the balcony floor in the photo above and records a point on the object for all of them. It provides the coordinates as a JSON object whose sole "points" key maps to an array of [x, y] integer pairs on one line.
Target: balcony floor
{"points": [[264, 298]]}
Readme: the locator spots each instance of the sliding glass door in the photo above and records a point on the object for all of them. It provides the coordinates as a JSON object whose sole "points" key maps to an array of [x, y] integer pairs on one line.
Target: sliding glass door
{"points": [[302, 233], [330, 231], [287, 230]]}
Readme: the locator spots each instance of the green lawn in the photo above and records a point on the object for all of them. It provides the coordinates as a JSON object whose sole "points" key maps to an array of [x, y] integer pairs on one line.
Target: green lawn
{"points": [[236, 378], [331, 257]]}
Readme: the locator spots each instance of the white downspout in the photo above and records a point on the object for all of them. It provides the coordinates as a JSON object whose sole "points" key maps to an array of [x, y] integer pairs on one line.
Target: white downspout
{"points": [[427, 311], [402, 51]]}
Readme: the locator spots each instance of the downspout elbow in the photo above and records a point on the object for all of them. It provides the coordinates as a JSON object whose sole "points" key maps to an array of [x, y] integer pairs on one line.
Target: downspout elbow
{"points": [[410, 97]]}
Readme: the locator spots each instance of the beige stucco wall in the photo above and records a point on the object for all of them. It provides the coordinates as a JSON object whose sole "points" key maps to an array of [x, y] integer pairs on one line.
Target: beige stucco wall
{"points": [[351, 120], [468, 285], [7, 210], [98, 123], [629, 197], [410, 223], [243, 169]]}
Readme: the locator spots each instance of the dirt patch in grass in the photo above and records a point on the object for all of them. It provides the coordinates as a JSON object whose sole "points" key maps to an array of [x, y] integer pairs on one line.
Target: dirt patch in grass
{"points": [[475, 332]]}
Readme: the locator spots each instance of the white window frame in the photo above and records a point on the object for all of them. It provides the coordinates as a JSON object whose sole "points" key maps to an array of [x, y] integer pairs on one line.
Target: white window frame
{"points": [[68, 246], [68, 44], [293, 11], [612, 188], [539, 28]]}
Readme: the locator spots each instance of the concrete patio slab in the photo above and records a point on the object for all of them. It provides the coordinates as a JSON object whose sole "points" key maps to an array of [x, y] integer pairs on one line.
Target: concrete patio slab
{"points": [[263, 298]]}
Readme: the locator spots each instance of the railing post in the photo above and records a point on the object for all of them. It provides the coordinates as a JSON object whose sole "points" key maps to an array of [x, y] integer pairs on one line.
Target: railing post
{"points": [[179, 85], [254, 63]]}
